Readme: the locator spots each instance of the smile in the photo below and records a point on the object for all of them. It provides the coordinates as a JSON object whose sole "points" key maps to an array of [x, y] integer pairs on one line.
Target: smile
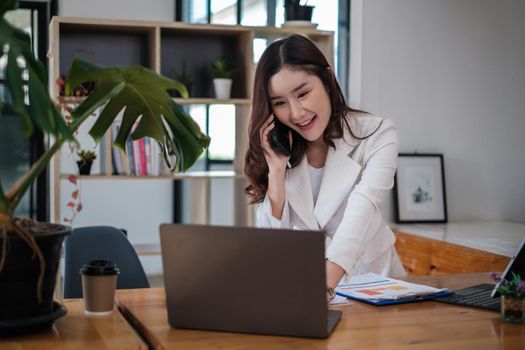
{"points": [[307, 125]]}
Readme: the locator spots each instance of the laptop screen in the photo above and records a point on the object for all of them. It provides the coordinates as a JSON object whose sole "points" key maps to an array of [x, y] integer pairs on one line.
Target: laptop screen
{"points": [[516, 265]]}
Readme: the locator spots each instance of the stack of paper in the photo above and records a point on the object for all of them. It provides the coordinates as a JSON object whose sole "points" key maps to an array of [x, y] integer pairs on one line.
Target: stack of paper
{"points": [[380, 290]]}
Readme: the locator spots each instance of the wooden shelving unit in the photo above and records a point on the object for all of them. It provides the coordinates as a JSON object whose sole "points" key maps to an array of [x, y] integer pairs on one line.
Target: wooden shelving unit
{"points": [[213, 101], [162, 47], [215, 174]]}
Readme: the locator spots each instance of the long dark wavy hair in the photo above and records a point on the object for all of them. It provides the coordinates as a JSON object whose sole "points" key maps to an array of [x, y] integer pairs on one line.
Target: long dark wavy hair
{"points": [[299, 53]]}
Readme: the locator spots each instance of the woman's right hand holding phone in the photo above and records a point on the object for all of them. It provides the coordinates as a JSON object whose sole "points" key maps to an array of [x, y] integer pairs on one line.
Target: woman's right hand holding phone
{"points": [[277, 164], [275, 160]]}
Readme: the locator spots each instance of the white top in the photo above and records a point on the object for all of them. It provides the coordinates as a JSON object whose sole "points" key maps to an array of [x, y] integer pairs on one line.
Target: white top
{"points": [[316, 175], [357, 177]]}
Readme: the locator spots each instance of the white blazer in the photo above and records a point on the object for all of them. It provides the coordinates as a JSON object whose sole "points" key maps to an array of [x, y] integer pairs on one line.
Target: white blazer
{"points": [[358, 174]]}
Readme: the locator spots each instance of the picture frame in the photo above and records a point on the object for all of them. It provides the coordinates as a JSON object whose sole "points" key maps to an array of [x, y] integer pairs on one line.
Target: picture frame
{"points": [[419, 189]]}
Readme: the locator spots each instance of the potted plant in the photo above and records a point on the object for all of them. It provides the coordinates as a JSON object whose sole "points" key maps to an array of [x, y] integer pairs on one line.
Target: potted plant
{"points": [[512, 298], [29, 250], [86, 161], [222, 77], [294, 11], [183, 76]]}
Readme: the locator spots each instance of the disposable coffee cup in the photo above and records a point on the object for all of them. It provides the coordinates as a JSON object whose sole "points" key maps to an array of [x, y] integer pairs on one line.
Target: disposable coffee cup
{"points": [[99, 281]]}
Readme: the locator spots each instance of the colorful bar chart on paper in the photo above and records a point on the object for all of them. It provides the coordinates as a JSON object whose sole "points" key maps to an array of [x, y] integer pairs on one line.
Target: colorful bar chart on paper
{"points": [[371, 286]]}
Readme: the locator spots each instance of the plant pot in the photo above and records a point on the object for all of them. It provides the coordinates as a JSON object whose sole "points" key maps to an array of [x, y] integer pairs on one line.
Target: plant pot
{"points": [[512, 309], [223, 88], [84, 167], [293, 12], [19, 276]]}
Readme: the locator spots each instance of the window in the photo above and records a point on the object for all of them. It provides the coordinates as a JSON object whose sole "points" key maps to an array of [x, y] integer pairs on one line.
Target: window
{"points": [[254, 13], [223, 12], [33, 18], [221, 124], [218, 121]]}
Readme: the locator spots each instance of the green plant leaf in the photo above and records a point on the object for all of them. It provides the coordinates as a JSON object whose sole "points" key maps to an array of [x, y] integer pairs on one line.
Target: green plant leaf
{"points": [[149, 111], [15, 194], [14, 83], [221, 68], [40, 113], [184, 128], [128, 119], [7, 5], [41, 110], [96, 99]]}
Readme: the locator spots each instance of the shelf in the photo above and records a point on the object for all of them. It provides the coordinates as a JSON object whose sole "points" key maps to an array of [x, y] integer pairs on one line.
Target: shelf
{"points": [[177, 176], [105, 45], [280, 31], [180, 101], [164, 47], [196, 49], [213, 101]]}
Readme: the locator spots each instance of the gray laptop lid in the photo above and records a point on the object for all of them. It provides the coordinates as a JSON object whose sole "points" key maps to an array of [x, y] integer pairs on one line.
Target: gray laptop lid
{"points": [[246, 280]]}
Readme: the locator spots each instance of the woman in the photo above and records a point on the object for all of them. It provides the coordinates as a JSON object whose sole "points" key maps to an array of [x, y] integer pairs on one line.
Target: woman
{"points": [[341, 167]]}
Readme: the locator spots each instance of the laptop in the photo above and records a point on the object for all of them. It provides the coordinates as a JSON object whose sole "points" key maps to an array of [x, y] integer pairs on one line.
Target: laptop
{"points": [[485, 296], [249, 280]]}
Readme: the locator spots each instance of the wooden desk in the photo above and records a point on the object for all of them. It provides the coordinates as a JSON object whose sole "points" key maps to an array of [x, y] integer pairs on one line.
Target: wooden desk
{"points": [[76, 331], [423, 325], [457, 247]]}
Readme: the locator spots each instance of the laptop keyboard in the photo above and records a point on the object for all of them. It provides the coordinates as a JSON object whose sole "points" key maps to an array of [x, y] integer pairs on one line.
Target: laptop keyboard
{"points": [[476, 298], [481, 298]]}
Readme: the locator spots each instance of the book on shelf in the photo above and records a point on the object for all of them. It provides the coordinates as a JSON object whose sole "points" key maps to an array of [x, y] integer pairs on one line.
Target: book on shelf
{"points": [[141, 158], [135, 156]]}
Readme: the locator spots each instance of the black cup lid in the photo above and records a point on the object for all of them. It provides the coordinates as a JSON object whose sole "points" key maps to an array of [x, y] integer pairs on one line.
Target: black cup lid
{"points": [[99, 268]]}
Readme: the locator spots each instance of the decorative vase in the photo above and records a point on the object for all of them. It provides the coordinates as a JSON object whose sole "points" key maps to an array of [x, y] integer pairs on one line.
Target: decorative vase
{"points": [[294, 12], [20, 309], [222, 88], [84, 167], [512, 309]]}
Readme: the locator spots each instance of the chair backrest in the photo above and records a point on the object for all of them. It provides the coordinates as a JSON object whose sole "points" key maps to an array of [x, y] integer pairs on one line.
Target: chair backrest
{"points": [[100, 242]]}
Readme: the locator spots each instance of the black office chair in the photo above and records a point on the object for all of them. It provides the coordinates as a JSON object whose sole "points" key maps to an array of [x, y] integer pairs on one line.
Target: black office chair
{"points": [[100, 242]]}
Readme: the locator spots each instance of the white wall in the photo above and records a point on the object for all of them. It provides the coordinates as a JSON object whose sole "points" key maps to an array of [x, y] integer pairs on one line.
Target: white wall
{"points": [[451, 75], [161, 10]]}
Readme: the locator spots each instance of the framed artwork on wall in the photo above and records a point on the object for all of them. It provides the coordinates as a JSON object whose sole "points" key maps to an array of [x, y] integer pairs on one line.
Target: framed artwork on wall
{"points": [[419, 189]]}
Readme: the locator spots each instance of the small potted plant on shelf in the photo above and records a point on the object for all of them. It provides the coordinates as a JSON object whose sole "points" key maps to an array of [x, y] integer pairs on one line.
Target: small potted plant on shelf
{"points": [[222, 77], [86, 161], [294, 11], [30, 250], [512, 298], [183, 76]]}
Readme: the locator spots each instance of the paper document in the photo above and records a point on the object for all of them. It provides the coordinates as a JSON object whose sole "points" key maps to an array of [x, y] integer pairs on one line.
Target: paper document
{"points": [[339, 300], [379, 290]]}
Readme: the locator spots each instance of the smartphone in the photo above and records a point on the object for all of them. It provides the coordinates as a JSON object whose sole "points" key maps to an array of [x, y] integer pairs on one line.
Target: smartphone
{"points": [[279, 139]]}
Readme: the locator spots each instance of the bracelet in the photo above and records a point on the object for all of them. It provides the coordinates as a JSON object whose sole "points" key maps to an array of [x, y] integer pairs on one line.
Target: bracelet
{"points": [[331, 292]]}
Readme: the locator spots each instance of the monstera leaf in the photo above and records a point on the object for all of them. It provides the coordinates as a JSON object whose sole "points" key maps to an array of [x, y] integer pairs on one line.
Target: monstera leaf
{"points": [[141, 93], [15, 48], [16, 45], [149, 111]]}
